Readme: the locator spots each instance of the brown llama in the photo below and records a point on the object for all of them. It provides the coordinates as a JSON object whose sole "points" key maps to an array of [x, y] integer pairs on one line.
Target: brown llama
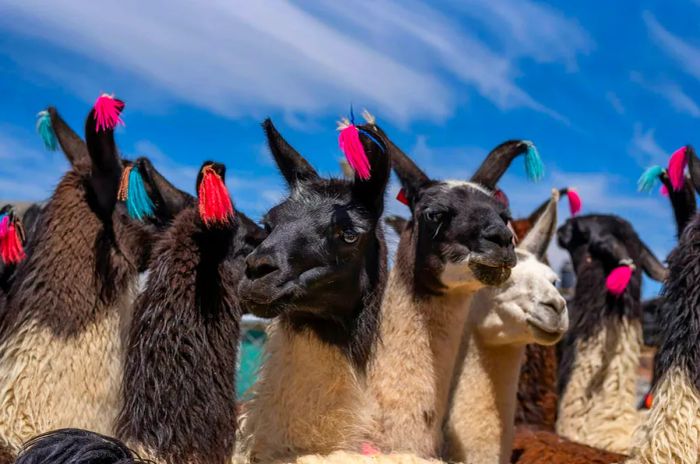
{"points": [[70, 300]]}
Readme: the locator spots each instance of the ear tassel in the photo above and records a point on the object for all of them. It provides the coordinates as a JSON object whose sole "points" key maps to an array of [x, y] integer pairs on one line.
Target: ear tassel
{"points": [[138, 203], [676, 168], [575, 203], [619, 278], [11, 250], [534, 167], [215, 205], [649, 178], [107, 111], [45, 130], [351, 146]]}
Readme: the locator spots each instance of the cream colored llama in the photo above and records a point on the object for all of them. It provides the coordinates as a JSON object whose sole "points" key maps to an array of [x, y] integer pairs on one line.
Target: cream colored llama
{"points": [[528, 308]]}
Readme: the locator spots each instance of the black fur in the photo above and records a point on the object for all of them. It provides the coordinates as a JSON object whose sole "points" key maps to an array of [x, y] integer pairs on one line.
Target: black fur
{"points": [[323, 266], [73, 446], [178, 390], [596, 244], [679, 320]]}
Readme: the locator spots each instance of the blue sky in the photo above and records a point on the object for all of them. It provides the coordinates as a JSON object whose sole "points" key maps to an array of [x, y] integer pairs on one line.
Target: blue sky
{"points": [[603, 91]]}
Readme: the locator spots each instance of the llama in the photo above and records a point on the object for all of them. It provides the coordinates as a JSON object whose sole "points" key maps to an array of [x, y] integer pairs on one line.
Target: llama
{"points": [[501, 321], [456, 243], [320, 273], [671, 430], [60, 343], [601, 352]]}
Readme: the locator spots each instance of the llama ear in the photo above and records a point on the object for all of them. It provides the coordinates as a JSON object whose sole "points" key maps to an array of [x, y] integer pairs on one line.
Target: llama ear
{"points": [[106, 169], [651, 264], [369, 190], [537, 240], [291, 164], [254, 234], [397, 223], [412, 178], [30, 218], [168, 199], [72, 145], [693, 167], [500, 158]]}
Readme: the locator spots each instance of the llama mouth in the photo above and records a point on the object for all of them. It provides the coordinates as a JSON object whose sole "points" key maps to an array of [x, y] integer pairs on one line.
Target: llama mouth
{"points": [[548, 329], [489, 275]]}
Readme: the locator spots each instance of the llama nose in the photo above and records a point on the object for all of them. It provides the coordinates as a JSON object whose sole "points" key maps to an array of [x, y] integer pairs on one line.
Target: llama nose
{"points": [[259, 265], [500, 235]]}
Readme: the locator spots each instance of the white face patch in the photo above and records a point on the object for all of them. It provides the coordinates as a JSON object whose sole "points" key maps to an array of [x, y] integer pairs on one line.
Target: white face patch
{"points": [[456, 275], [460, 183]]}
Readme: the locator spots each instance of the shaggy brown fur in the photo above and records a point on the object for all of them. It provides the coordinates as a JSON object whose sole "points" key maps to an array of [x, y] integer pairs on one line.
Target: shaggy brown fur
{"points": [[537, 389], [532, 446]]}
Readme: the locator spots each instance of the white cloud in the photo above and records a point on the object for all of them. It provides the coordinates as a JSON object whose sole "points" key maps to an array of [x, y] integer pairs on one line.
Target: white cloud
{"points": [[251, 58], [671, 92], [615, 102], [645, 149]]}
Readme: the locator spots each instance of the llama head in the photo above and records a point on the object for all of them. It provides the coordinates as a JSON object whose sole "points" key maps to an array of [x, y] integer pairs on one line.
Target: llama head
{"points": [[609, 241], [527, 308], [458, 236], [325, 249]]}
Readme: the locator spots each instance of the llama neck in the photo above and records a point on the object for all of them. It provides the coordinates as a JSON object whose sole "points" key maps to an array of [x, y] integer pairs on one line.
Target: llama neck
{"points": [[410, 377], [480, 424], [181, 362], [598, 404], [537, 388], [309, 398]]}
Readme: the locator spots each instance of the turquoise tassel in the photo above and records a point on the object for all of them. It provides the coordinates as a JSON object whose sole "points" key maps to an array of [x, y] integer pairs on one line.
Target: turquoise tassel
{"points": [[138, 204], [649, 178], [45, 130], [534, 168]]}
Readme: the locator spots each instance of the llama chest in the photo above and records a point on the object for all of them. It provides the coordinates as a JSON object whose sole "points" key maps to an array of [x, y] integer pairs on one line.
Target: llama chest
{"points": [[49, 382], [308, 399]]}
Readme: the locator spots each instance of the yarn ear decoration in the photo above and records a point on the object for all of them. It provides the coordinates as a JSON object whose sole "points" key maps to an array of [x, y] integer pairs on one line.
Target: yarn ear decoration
{"points": [[350, 145], [676, 168], [575, 203], [45, 130], [534, 167], [619, 278], [402, 198], [11, 237], [107, 111], [649, 178], [501, 197], [664, 191], [215, 205], [648, 400], [132, 191]]}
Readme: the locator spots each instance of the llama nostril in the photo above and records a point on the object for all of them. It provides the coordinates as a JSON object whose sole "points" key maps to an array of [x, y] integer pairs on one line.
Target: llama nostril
{"points": [[500, 235], [259, 266]]}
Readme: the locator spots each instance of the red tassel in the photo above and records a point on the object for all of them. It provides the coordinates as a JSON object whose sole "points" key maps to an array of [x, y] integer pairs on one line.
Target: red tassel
{"points": [[401, 196], [618, 280], [215, 205], [107, 111], [11, 250], [351, 146], [574, 201], [676, 168], [648, 400], [501, 196]]}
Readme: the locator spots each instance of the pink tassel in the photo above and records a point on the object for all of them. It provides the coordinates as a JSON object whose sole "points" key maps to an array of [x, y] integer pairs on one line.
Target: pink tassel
{"points": [[11, 250], [574, 201], [676, 168], [368, 449], [107, 111], [618, 280], [349, 141], [664, 191]]}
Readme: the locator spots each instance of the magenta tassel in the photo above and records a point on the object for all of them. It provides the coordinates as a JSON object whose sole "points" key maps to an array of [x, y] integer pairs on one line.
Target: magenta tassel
{"points": [[618, 280], [676, 168], [574, 201], [349, 141], [107, 111]]}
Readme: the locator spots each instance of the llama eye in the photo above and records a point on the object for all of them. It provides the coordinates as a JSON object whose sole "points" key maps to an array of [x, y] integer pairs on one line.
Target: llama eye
{"points": [[349, 236], [434, 216]]}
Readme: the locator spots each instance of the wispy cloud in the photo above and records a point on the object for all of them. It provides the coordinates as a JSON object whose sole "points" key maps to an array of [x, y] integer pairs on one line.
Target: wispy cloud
{"points": [[644, 148], [671, 92], [250, 58], [686, 55], [615, 102]]}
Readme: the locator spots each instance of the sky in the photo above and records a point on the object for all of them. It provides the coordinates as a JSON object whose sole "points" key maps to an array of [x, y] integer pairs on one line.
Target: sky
{"points": [[603, 89]]}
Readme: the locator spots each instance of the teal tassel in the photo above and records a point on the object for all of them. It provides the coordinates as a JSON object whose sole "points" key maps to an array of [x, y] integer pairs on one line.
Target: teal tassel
{"points": [[138, 204], [649, 178], [45, 130], [534, 168]]}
